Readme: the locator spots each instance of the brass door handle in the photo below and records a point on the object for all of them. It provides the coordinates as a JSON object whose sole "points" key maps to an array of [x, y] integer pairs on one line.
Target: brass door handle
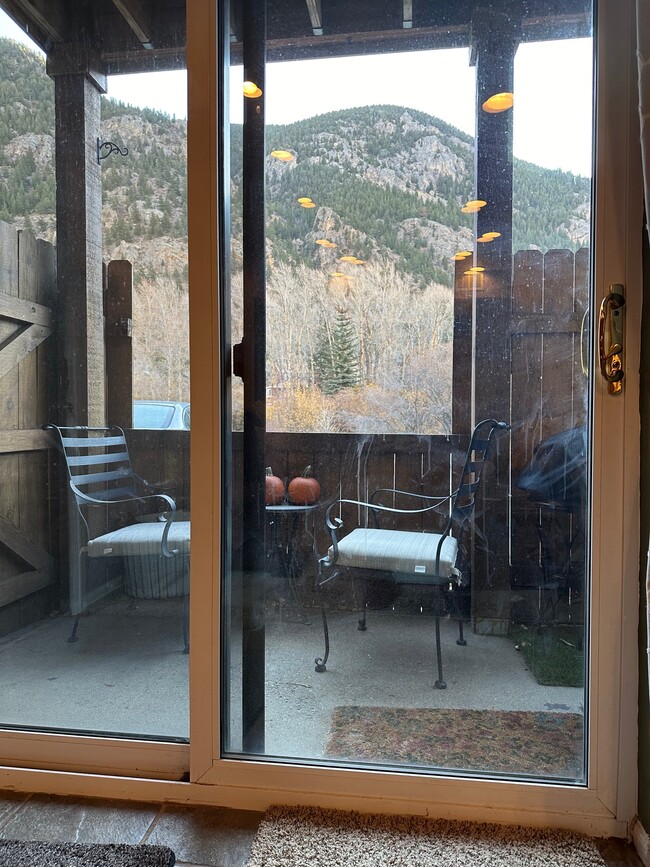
{"points": [[610, 338]]}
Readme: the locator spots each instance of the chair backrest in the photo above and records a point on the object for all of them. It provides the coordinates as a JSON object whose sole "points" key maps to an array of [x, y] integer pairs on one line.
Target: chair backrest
{"points": [[98, 463], [476, 457]]}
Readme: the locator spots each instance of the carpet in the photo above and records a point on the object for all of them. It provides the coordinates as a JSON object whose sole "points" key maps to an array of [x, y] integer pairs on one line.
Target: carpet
{"points": [[525, 743], [310, 837], [15, 853]]}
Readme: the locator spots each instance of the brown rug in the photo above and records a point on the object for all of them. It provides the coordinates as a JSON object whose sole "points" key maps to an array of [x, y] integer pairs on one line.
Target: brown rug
{"points": [[310, 837], [524, 743]]}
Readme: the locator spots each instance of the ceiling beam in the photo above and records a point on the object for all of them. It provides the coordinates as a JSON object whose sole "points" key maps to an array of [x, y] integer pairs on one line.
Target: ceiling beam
{"points": [[315, 9], [138, 19], [48, 17]]}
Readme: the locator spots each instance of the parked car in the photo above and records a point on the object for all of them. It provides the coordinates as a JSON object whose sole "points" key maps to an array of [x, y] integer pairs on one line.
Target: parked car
{"points": [[161, 414]]}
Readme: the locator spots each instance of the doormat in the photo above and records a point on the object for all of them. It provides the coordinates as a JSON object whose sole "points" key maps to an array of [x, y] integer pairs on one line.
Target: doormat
{"points": [[311, 837], [525, 743], [15, 853]]}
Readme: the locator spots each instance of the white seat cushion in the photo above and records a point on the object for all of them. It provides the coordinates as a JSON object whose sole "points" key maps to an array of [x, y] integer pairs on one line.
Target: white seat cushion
{"points": [[142, 539], [398, 551]]}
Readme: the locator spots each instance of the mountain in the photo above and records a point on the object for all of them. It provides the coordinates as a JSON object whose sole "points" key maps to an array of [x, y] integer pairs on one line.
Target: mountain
{"points": [[387, 184], [391, 181]]}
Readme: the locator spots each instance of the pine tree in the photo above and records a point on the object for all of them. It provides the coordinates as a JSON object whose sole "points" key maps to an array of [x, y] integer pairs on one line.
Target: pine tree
{"points": [[337, 360]]}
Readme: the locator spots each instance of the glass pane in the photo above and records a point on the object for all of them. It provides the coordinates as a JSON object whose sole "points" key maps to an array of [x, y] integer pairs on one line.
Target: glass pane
{"points": [[410, 261], [94, 561]]}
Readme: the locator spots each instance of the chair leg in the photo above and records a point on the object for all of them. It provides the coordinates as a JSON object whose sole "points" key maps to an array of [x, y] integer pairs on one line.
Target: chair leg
{"points": [[73, 635], [364, 605], [459, 616], [440, 683], [322, 660]]}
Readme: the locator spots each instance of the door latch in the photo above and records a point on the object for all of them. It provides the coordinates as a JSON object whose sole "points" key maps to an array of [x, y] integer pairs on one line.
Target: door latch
{"points": [[610, 338]]}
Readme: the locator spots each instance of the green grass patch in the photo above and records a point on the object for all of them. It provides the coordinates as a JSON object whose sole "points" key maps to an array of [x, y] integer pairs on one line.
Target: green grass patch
{"points": [[553, 653]]}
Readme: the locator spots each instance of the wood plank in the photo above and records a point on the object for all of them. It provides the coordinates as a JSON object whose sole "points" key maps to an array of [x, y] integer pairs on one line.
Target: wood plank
{"points": [[9, 463], [526, 395], [23, 310], [18, 347], [558, 349], [543, 323], [25, 440], [582, 343], [20, 545], [31, 484], [118, 299], [17, 586], [138, 19]]}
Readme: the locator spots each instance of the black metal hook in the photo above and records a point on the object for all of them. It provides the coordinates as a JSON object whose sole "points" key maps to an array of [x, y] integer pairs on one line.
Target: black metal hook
{"points": [[110, 148]]}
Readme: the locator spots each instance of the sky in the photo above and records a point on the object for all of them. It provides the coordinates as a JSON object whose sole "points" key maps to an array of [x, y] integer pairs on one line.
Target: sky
{"points": [[553, 87]]}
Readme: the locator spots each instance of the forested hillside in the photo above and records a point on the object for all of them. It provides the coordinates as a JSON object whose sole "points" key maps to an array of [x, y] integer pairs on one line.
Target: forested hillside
{"points": [[347, 352]]}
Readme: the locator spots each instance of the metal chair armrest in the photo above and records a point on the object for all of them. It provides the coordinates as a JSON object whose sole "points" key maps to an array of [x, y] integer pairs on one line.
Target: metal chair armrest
{"points": [[422, 497]]}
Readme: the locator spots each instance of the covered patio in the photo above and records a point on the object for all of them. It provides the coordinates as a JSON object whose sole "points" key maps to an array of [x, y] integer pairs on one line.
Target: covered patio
{"points": [[66, 357]]}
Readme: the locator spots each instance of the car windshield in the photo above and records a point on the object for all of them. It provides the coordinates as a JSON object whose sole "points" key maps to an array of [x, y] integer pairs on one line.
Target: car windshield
{"points": [[152, 415]]}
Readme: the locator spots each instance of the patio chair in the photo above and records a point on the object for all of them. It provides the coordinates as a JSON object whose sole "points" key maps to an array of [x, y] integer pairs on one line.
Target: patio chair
{"points": [[408, 557], [155, 547]]}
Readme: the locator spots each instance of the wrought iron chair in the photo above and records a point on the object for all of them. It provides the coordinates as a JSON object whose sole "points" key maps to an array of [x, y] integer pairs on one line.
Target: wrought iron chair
{"points": [[407, 557], [156, 547]]}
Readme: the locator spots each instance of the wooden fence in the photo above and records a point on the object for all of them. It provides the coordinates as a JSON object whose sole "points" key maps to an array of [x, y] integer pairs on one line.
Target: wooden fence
{"points": [[546, 393], [28, 534]]}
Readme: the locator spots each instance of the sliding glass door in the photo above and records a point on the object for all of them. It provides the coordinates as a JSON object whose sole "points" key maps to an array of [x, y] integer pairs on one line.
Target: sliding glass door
{"points": [[412, 263]]}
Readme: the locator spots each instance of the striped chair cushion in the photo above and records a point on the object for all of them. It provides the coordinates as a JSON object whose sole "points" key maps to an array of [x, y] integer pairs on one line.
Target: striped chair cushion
{"points": [[398, 551], [141, 539]]}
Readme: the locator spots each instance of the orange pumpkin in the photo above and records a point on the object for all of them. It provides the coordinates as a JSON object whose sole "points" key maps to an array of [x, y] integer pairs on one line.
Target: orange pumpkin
{"points": [[304, 490], [274, 488]]}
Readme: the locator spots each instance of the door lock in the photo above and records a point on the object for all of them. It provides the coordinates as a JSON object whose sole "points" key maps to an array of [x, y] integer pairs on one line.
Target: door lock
{"points": [[610, 338]]}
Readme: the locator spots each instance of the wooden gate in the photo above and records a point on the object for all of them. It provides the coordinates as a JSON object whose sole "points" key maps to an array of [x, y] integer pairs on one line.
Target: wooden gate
{"points": [[549, 355], [540, 389], [27, 384]]}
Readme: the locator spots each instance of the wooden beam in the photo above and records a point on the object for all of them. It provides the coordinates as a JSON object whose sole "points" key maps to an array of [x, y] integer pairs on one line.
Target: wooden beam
{"points": [[19, 545], [138, 19], [19, 345], [49, 16], [25, 311], [21, 585], [315, 9], [25, 441], [544, 323]]}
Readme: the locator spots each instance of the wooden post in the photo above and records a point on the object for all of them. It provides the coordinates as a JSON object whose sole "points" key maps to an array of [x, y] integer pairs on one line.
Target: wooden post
{"points": [[118, 298], [495, 37], [77, 88], [81, 391]]}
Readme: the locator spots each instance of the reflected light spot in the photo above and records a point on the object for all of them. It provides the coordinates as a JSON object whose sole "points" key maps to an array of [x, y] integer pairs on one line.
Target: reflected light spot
{"points": [[251, 90], [348, 259], [476, 204], [308, 205], [498, 102], [304, 199], [491, 235], [285, 156]]}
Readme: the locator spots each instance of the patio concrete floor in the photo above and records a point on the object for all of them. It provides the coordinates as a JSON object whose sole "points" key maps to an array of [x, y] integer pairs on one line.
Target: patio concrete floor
{"points": [[127, 673]]}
